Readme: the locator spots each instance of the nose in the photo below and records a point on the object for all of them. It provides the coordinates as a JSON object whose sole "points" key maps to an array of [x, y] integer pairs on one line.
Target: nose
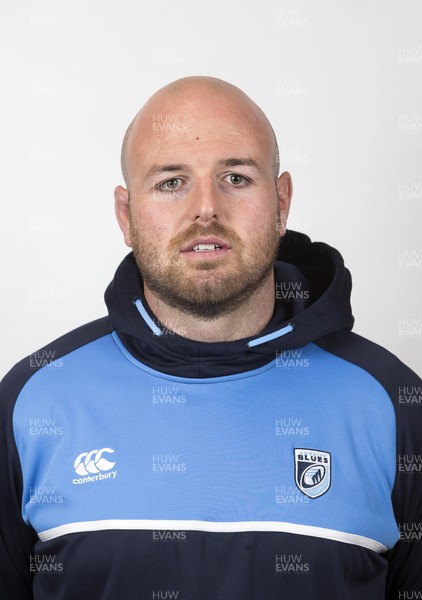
{"points": [[204, 205]]}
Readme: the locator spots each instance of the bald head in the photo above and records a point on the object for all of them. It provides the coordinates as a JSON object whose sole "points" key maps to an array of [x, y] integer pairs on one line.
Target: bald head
{"points": [[207, 94]]}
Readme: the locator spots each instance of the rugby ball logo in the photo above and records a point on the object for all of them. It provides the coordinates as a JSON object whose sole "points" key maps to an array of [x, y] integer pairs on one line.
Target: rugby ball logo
{"points": [[312, 471]]}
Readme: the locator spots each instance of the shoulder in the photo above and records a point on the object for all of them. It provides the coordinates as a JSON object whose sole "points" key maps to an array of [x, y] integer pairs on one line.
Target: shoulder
{"points": [[384, 366], [23, 371]]}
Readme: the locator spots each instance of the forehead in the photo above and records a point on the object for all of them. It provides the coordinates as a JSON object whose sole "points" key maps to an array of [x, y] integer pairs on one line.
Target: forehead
{"points": [[191, 133]]}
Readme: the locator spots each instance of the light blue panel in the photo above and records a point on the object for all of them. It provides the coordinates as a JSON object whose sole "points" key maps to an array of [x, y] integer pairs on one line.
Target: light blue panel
{"points": [[218, 449]]}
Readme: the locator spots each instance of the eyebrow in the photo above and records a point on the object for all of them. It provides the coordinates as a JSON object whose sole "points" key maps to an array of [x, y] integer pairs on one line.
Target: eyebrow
{"points": [[227, 162], [156, 169], [238, 162]]}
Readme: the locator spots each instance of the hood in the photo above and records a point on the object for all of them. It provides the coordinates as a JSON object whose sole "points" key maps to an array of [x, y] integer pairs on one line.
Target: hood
{"points": [[312, 300]]}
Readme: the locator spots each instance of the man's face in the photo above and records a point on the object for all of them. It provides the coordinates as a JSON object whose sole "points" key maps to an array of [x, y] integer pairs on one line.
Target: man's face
{"points": [[204, 207]]}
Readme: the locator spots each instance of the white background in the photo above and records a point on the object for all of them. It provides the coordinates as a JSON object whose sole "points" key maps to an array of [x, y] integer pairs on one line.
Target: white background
{"points": [[340, 80]]}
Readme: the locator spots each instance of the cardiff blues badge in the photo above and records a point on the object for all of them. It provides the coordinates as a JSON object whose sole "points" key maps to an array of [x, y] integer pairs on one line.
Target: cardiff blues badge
{"points": [[312, 471]]}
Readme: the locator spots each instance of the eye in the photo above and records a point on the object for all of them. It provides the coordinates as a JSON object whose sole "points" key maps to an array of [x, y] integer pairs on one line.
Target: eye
{"points": [[237, 180], [170, 185]]}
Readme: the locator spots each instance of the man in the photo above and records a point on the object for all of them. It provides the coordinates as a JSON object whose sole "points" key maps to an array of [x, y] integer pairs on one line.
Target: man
{"points": [[222, 434]]}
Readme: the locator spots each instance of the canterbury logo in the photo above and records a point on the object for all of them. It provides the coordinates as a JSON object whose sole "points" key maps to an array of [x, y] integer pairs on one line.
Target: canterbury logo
{"points": [[93, 461]]}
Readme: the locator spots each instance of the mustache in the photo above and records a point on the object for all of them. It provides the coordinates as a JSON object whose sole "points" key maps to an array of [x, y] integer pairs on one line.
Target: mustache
{"points": [[195, 230]]}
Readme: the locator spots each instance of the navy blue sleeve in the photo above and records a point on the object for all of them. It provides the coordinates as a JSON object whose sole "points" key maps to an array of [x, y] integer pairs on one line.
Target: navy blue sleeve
{"points": [[405, 560], [405, 390], [17, 539]]}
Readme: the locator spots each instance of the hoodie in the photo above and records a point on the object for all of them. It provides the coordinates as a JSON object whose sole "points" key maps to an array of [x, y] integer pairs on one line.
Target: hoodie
{"points": [[136, 463]]}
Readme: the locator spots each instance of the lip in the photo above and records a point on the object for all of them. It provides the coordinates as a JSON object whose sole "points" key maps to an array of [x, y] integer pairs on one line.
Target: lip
{"points": [[206, 240]]}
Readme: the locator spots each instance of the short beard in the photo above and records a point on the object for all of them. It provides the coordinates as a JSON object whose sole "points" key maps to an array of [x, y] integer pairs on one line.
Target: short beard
{"points": [[211, 296]]}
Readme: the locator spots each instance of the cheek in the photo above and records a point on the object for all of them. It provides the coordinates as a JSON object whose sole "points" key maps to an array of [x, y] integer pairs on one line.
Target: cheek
{"points": [[261, 219], [156, 227]]}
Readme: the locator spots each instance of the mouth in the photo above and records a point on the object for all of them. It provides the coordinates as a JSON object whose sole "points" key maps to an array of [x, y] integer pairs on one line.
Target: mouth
{"points": [[206, 246]]}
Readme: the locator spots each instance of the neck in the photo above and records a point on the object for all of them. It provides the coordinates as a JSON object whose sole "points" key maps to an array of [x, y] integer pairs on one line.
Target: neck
{"points": [[247, 320]]}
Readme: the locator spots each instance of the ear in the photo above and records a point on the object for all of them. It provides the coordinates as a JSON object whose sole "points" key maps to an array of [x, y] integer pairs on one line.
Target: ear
{"points": [[284, 192], [121, 207]]}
